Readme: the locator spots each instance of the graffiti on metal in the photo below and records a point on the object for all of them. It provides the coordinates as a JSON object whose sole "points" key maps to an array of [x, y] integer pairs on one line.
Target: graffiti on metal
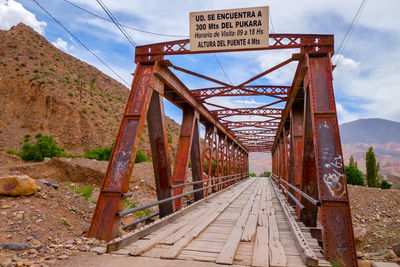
{"points": [[334, 176]]}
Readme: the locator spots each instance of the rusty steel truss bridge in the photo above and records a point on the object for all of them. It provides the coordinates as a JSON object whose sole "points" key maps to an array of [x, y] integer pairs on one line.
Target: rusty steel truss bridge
{"points": [[308, 175]]}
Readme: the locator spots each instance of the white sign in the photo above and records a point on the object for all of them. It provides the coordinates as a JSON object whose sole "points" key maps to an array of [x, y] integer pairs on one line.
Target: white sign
{"points": [[229, 29]]}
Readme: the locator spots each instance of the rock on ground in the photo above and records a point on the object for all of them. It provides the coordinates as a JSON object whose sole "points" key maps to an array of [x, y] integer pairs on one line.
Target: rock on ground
{"points": [[17, 185]]}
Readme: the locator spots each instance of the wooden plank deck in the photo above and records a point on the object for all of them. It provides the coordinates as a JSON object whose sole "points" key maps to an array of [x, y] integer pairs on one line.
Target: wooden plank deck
{"points": [[243, 226]]}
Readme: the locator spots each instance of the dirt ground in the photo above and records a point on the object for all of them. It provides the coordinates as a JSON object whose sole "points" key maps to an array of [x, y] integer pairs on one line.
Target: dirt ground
{"points": [[378, 212]]}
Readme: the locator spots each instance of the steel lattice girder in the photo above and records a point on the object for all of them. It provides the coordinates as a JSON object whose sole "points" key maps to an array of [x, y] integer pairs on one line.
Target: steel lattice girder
{"points": [[266, 112], [254, 132], [267, 90], [255, 137], [259, 124], [306, 42]]}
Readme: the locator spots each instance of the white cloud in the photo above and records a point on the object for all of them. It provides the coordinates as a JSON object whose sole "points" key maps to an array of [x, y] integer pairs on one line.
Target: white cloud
{"points": [[61, 44], [283, 75], [344, 115], [12, 13]]}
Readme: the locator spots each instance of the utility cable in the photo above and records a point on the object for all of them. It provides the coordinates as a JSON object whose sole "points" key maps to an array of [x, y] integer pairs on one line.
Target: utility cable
{"points": [[80, 42], [123, 25], [115, 21], [349, 31]]}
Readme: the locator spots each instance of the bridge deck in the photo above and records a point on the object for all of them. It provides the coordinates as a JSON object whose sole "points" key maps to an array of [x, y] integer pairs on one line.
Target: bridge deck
{"points": [[244, 225]]}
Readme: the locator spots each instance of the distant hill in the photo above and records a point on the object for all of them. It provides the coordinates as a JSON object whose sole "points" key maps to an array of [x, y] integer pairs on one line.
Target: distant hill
{"points": [[370, 131], [383, 135], [44, 90]]}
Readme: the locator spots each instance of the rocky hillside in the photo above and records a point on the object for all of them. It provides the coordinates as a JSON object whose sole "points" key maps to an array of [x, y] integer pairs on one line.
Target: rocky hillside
{"points": [[44, 90]]}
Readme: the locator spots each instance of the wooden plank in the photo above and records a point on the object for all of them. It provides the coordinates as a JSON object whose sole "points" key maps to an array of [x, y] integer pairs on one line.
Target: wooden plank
{"points": [[261, 249], [173, 252], [306, 252], [227, 254], [164, 234], [127, 239], [277, 253], [249, 229]]}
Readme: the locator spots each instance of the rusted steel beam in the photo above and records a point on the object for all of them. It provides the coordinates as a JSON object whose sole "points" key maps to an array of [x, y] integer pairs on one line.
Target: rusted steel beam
{"points": [[306, 42], [178, 90], [254, 132], [265, 112], [197, 75], [195, 157], [157, 128], [259, 124], [207, 155], [105, 224], [182, 154], [296, 144], [266, 90], [338, 238], [309, 175]]}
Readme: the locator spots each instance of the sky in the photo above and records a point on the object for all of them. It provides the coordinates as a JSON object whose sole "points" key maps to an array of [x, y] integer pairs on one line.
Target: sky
{"points": [[366, 81]]}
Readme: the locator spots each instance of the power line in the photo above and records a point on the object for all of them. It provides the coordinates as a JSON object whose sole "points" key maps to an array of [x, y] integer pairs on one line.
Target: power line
{"points": [[272, 24], [125, 26], [349, 31], [80, 42], [227, 77], [115, 21]]}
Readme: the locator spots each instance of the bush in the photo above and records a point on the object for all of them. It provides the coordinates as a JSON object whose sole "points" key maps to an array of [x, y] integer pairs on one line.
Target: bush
{"points": [[265, 174], [141, 157], [385, 184], [12, 152], [99, 153], [253, 175], [45, 147], [353, 175]]}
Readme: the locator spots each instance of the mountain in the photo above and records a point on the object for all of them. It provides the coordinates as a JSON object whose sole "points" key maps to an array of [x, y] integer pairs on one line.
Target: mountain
{"points": [[370, 131], [44, 90]]}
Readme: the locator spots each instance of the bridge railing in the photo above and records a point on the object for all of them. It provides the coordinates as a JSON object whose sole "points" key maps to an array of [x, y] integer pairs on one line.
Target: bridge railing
{"points": [[235, 178], [279, 182]]}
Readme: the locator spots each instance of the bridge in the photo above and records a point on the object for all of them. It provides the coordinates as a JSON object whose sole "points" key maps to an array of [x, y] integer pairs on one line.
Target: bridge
{"points": [[298, 217]]}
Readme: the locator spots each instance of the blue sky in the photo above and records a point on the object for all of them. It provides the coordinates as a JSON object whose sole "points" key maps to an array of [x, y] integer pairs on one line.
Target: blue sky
{"points": [[366, 82]]}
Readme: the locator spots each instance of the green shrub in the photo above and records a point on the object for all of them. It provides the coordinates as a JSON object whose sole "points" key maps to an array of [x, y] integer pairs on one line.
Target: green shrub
{"points": [[253, 175], [99, 153], [129, 203], [265, 174], [385, 184], [169, 138], [84, 191], [45, 147], [12, 152], [353, 175], [141, 157]]}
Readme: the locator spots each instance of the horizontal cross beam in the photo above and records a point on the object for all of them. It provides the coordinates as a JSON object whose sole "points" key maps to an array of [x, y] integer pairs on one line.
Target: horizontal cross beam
{"points": [[306, 42], [266, 112], [267, 90], [258, 124]]}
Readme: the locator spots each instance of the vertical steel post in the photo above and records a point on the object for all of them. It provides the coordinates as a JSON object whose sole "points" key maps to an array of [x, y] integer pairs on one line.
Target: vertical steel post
{"points": [[309, 177], [160, 151], [296, 151], [195, 157], [338, 238], [105, 223], [207, 155], [182, 154]]}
